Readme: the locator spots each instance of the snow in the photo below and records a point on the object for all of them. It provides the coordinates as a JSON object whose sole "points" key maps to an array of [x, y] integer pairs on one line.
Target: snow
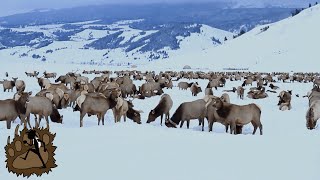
{"points": [[126, 150], [288, 45]]}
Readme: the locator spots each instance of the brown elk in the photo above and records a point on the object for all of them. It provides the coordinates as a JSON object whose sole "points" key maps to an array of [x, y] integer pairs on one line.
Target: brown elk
{"points": [[237, 115], [13, 108], [163, 108], [187, 111]]}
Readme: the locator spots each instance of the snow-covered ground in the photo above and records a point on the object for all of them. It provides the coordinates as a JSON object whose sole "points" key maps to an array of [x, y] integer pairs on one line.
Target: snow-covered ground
{"points": [[126, 150]]}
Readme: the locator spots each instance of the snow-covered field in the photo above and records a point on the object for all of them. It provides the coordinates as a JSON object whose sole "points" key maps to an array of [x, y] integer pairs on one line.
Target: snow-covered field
{"points": [[126, 150]]}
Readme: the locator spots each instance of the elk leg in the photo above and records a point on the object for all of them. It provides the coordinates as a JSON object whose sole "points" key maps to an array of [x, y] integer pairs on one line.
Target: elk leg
{"points": [[168, 116], [188, 123], [28, 120], [202, 120], [260, 128], [210, 125], [125, 117], [181, 124], [227, 127], [161, 119], [8, 124], [102, 116], [47, 119], [99, 119], [254, 127], [233, 127], [82, 114]]}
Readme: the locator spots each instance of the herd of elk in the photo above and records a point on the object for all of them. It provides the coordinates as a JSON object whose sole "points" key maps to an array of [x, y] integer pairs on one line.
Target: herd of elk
{"points": [[110, 90]]}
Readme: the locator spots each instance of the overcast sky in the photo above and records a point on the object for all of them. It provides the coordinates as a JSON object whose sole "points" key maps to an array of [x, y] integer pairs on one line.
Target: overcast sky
{"points": [[9, 7]]}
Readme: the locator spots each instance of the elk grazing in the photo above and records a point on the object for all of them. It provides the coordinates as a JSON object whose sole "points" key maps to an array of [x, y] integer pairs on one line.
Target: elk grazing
{"points": [[13, 108], [134, 114], [236, 115], [187, 111], [163, 108], [97, 104], [43, 107]]}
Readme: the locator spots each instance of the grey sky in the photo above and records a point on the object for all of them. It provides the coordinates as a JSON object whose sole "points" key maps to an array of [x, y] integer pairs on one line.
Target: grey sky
{"points": [[9, 7]]}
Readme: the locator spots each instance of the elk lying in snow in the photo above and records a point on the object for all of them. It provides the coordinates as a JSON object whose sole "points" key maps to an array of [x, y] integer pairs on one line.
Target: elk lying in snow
{"points": [[257, 94], [8, 85], [233, 90], [13, 108], [236, 115], [273, 87], [195, 89], [187, 111], [43, 107], [97, 104], [163, 108], [285, 100]]}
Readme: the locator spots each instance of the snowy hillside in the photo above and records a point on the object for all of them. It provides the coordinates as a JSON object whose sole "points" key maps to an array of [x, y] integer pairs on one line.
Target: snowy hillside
{"points": [[287, 45], [118, 43]]}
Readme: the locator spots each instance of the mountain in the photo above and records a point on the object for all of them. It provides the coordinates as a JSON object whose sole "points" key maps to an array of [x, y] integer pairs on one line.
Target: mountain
{"points": [[217, 15], [110, 34], [119, 43], [288, 45]]}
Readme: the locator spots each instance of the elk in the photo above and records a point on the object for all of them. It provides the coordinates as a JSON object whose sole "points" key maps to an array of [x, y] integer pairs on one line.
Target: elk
{"points": [[163, 108], [13, 108], [237, 115], [187, 111], [97, 104]]}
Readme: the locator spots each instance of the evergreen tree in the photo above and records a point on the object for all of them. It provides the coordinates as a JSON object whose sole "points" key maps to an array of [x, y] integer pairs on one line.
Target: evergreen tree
{"points": [[225, 39]]}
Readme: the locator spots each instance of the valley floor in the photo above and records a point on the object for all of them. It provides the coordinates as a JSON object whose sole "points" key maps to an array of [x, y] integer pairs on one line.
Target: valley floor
{"points": [[126, 150]]}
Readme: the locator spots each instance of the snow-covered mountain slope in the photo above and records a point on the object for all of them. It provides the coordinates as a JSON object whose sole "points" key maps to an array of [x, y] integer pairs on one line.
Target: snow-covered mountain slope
{"points": [[118, 43], [290, 44]]}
